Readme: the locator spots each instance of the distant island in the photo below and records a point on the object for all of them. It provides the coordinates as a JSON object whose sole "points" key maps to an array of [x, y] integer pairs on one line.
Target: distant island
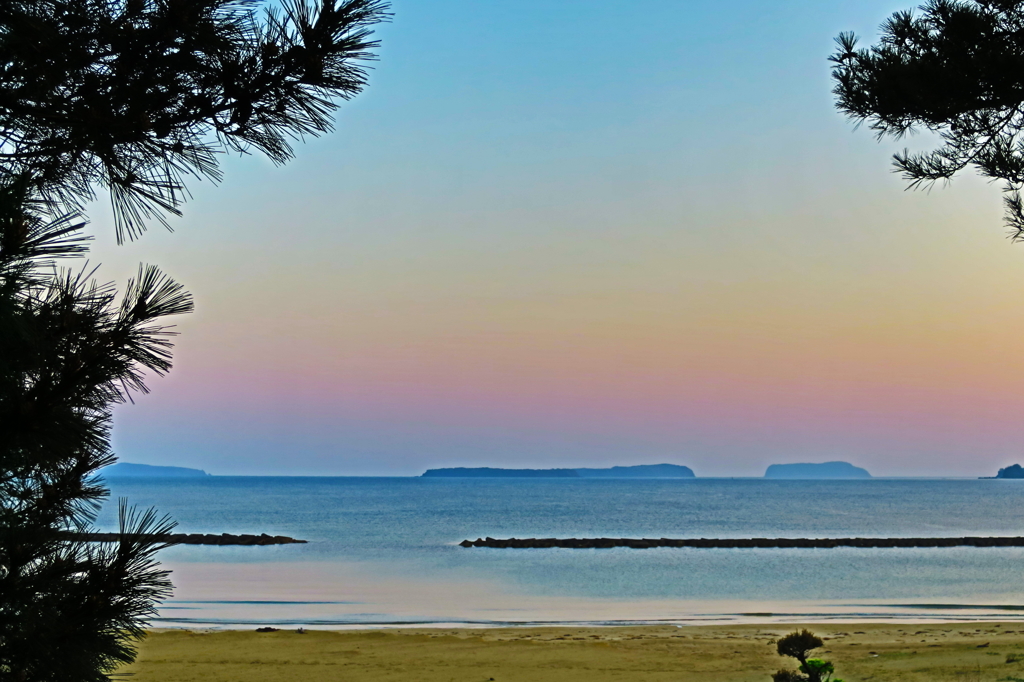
{"points": [[638, 471], [488, 472], [1012, 471], [128, 470], [824, 470]]}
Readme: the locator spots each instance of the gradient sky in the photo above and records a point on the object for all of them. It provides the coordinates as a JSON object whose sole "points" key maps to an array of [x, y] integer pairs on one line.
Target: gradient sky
{"points": [[584, 233]]}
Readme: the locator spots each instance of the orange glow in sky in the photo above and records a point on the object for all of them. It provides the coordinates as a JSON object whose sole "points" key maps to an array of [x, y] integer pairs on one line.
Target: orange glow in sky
{"points": [[519, 251]]}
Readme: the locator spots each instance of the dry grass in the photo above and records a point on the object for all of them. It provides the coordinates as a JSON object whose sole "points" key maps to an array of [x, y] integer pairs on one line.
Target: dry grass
{"points": [[908, 653]]}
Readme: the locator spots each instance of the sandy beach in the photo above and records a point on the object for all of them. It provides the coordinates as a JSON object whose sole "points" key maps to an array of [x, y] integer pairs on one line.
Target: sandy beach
{"points": [[968, 652]]}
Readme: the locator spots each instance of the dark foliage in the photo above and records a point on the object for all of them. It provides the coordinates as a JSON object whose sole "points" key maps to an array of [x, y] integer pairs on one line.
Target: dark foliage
{"points": [[956, 68], [70, 349], [131, 97], [798, 645], [137, 95]]}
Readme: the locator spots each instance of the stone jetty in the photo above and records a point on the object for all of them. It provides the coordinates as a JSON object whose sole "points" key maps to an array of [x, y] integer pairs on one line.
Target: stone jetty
{"points": [[197, 539], [732, 543]]}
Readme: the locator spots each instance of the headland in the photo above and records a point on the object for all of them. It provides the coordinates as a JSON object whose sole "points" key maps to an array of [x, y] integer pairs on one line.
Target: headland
{"points": [[130, 470]]}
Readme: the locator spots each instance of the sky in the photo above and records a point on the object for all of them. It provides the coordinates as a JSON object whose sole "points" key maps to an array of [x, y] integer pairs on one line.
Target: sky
{"points": [[588, 233]]}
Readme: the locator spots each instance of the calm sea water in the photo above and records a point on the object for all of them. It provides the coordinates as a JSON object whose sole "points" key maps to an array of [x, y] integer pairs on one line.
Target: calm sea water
{"points": [[383, 551]]}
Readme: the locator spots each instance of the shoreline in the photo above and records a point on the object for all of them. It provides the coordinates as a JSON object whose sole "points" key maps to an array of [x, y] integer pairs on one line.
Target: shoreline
{"points": [[291, 615], [526, 625], [723, 653]]}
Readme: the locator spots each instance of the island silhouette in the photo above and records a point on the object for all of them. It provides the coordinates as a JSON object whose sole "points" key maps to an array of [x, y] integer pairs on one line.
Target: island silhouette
{"points": [[1012, 471], [822, 470], [129, 470], [637, 471]]}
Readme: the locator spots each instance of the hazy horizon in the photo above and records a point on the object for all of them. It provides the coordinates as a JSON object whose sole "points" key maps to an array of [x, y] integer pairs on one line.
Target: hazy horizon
{"points": [[578, 234], [696, 474]]}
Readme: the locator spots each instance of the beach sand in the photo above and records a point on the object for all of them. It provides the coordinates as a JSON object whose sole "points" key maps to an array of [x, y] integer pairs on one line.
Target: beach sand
{"points": [[965, 652]]}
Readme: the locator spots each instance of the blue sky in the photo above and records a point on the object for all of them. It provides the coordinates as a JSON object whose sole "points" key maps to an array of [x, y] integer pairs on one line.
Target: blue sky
{"points": [[587, 233]]}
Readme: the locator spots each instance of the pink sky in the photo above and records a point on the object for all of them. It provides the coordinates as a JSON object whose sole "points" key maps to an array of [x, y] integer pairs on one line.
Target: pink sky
{"points": [[501, 264]]}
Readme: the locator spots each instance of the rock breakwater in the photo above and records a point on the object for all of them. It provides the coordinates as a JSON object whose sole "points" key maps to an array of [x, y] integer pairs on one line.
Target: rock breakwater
{"points": [[733, 543], [197, 539]]}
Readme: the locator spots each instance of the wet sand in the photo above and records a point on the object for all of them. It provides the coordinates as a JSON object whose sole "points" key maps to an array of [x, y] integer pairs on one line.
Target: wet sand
{"points": [[964, 652]]}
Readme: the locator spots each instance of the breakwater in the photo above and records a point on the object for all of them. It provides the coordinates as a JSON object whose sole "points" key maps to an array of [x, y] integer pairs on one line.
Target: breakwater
{"points": [[733, 543], [196, 539]]}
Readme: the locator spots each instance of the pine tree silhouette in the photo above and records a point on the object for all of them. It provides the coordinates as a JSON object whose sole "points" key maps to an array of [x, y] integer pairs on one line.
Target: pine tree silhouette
{"points": [[128, 98]]}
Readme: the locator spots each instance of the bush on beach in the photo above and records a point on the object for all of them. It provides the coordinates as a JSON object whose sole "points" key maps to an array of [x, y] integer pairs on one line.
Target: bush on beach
{"points": [[798, 645]]}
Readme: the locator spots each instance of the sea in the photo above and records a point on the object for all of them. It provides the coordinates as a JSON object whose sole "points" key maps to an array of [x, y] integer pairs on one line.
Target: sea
{"points": [[383, 552]]}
